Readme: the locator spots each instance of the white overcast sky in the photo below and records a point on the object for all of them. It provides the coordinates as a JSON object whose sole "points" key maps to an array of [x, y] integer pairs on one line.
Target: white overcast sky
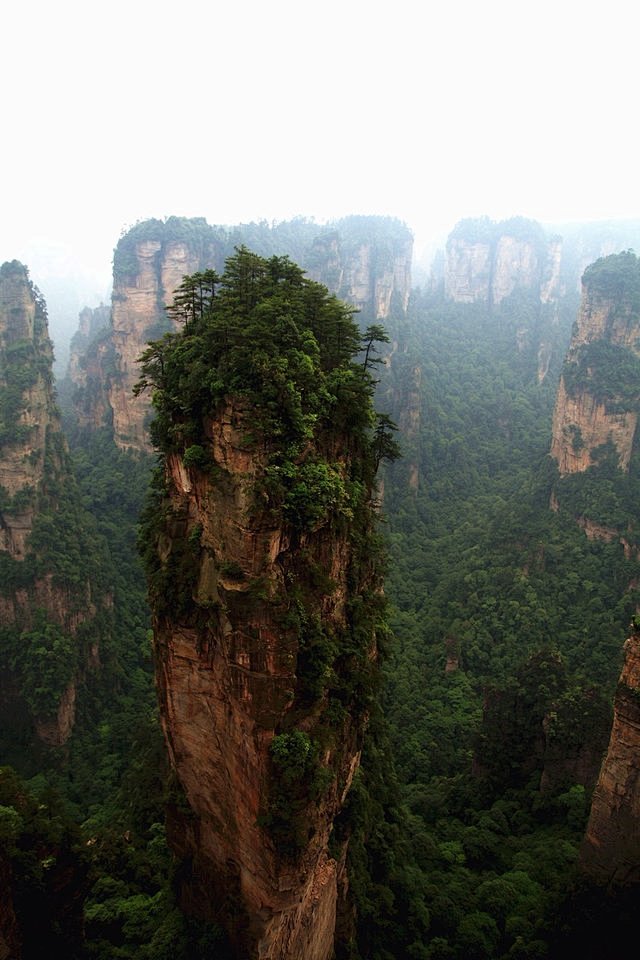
{"points": [[429, 112]]}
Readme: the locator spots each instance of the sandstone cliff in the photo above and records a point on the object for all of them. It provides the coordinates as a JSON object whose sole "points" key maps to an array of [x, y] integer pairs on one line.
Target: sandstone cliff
{"points": [[365, 260], [90, 357], [45, 604], [610, 852], [599, 392], [28, 410], [265, 592], [485, 261]]}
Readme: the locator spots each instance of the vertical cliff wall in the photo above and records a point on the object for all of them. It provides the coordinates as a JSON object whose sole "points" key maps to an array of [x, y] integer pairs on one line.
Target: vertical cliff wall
{"points": [[46, 599], [599, 392], [27, 405], [610, 852], [264, 579], [365, 260], [594, 445], [486, 261]]}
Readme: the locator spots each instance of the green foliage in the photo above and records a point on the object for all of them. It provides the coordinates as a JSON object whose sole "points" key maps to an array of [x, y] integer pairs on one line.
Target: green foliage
{"points": [[23, 363], [291, 754], [481, 575], [298, 779], [48, 868], [268, 337], [615, 278], [46, 660], [195, 456], [608, 372], [315, 492]]}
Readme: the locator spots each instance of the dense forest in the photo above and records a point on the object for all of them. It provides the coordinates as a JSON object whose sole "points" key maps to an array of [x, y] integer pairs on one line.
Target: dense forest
{"points": [[485, 739]]}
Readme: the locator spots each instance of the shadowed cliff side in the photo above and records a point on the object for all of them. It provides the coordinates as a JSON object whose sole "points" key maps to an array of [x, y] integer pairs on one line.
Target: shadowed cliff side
{"points": [[51, 614], [264, 569], [611, 850]]}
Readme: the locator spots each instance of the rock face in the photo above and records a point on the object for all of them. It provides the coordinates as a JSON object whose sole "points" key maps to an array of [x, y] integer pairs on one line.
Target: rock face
{"points": [[28, 410], [599, 391], [610, 852], [90, 353], [485, 261], [40, 607], [226, 689], [365, 260], [264, 604], [142, 288]]}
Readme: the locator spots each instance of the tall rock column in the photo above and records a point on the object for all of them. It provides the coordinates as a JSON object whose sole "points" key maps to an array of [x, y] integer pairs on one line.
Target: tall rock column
{"points": [[264, 579], [599, 393], [47, 556]]}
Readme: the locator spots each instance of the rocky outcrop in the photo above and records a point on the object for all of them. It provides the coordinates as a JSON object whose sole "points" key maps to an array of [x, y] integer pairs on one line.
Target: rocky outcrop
{"points": [[610, 852], [91, 322], [599, 392], [43, 610], [27, 408], [581, 424], [227, 680], [467, 275], [486, 261], [365, 260], [141, 292], [91, 353], [264, 587]]}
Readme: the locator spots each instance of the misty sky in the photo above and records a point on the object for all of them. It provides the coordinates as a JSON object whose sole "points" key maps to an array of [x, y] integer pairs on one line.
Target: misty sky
{"points": [[114, 112]]}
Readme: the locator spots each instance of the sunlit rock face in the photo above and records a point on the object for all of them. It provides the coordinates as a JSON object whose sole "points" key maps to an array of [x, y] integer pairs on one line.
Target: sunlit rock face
{"points": [[364, 260], [610, 852], [34, 468]]}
